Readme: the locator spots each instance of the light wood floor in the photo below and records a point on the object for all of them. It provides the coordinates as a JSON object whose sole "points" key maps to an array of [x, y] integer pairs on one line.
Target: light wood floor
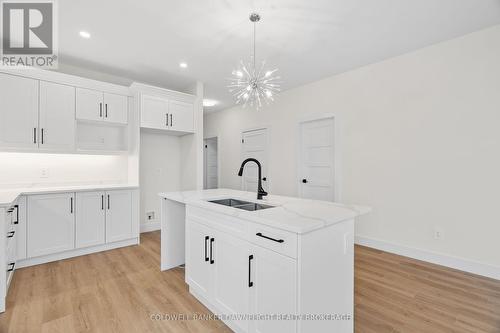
{"points": [[119, 290]]}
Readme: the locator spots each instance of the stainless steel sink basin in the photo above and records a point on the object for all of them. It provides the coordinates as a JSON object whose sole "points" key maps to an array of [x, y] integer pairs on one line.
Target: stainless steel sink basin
{"points": [[240, 204]]}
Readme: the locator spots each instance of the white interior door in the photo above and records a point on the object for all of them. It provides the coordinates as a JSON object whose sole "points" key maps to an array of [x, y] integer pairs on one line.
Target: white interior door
{"points": [[57, 116], [210, 163], [255, 144], [317, 160], [18, 112]]}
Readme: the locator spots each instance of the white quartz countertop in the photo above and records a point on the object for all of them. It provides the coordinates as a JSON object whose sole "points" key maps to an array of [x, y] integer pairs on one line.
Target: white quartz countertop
{"points": [[291, 214], [9, 195]]}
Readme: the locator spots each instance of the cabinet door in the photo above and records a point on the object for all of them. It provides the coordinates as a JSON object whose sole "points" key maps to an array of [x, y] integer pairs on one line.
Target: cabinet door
{"points": [[231, 286], [274, 290], [154, 112], [118, 215], [90, 219], [198, 267], [89, 104], [57, 116], [115, 108], [51, 224], [18, 112], [181, 118]]}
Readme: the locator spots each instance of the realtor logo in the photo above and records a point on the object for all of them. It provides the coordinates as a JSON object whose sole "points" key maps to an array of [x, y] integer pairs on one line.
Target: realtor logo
{"points": [[28, 34]]}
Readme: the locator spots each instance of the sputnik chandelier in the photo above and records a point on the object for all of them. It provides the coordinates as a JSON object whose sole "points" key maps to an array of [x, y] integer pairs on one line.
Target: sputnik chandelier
{"points": [[251, 85]]}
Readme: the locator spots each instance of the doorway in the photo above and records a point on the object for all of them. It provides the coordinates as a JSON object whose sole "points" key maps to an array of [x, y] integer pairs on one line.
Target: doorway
{"points": [[316, 162], [210, 164], [254, 143]]}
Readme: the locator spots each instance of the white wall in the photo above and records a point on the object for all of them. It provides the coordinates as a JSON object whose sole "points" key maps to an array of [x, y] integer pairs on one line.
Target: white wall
{"points": [[25, 169], [419, 141], [160, 170]]}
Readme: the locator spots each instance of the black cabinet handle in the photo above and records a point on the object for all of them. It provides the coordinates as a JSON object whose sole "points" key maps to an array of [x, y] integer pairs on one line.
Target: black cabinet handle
{"points": [[206, 248], [109, 206], [250, 283], [16, 207], [71, 205], [11, 234], [42, 135], [212, 261], [12, 264], [304, 181], [100, 110], [34, 134], [171, 121], [106, 106], [166, 121], [273, 239], [102, 201]]}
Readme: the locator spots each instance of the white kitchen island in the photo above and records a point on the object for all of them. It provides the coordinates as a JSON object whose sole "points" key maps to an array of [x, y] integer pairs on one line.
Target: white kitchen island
{"points": [[287, 268]]}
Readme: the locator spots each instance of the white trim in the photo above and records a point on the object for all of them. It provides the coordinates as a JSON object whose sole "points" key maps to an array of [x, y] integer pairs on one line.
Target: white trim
{"points": [[465, 265], [75, 253], [150, 226], [337, 192]]}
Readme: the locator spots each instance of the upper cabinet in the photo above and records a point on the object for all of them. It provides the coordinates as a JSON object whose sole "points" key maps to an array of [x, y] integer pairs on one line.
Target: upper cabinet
{"points": [[52, 112], [57, 116], [18, 112], [166, 110], [98, 106]]}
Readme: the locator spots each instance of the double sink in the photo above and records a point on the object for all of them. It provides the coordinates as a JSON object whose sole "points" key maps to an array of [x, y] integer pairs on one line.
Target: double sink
{"points": [[240, 204]]}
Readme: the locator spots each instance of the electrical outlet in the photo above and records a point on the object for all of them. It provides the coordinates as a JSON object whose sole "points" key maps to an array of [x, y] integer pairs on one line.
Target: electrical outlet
{"points": [[150, 216], [438, 233], [44, 173]]}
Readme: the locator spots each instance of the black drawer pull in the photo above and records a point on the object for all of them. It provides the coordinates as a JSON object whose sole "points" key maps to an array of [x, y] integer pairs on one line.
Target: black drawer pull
{"points": [[11, 234], [12, 264], [273, 239], [206, 248], [212, 261], [250, 283]]}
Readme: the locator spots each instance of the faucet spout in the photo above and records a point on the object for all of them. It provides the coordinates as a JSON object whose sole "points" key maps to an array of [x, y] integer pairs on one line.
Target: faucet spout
{"points": [[260, 190]]}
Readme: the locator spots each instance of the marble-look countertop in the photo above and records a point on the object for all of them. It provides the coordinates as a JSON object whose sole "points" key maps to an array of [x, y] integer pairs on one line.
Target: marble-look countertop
{"points": [[9, 195], [291, 214]]}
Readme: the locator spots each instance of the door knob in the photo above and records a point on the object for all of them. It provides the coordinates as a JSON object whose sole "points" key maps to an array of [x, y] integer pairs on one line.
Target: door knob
{"points": [[264, 179], [304, 181]]}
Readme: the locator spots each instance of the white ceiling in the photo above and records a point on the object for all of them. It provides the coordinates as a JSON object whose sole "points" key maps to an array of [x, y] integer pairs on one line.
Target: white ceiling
{"points": [[307, 40]]}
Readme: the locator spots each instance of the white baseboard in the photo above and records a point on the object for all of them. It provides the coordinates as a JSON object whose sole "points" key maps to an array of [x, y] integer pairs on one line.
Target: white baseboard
{"points": [[150, 226], [432, 257]]}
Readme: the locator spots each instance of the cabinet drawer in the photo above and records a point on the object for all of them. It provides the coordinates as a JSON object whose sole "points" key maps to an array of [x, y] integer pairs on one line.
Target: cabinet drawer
{"points": [[280, 241]]}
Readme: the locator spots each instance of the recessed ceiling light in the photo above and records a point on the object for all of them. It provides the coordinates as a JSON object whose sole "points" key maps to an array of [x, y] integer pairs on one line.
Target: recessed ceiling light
{"points": [[209, 102], [85, 34], [183, 65]]}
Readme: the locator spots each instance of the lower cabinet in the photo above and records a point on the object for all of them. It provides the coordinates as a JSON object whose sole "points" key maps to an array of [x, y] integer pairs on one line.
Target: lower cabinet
{"points": [[90, 219], [118, 215], [239, 279], [51, 223]]}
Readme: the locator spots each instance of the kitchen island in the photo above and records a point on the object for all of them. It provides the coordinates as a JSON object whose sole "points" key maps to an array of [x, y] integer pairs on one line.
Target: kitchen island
{"points": [[281, 264]]}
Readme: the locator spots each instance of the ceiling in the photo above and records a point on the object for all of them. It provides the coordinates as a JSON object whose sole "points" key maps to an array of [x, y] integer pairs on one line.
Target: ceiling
{"points": [[307, 40]]}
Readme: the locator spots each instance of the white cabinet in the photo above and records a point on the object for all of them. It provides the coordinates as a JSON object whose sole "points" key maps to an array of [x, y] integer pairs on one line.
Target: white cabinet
{"points": [[18, 112], [115, 108], [231, 281], [118, 215], [90, 219], [98, 106], [154, 112], [198, 255], [51, 223], [89, 104], [181, 116], [57, 116], [167, 114], [274, 290]]}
